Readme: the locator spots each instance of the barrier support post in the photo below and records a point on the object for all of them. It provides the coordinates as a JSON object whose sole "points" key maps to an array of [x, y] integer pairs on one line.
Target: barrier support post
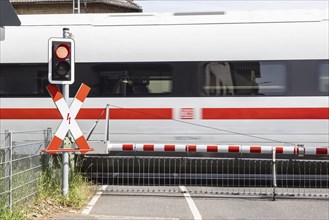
{"points": [[274, 171]]}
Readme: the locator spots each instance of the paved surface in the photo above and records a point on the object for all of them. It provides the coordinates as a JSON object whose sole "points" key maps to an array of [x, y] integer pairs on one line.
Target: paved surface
{"points": [[141, 206], [177, 206], [221, 208]]}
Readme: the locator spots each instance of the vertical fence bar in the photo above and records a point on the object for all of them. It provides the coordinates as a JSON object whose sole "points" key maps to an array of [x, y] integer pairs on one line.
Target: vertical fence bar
{"points": [[9, 164], [47, 136], [327, 180], [274, 171]]}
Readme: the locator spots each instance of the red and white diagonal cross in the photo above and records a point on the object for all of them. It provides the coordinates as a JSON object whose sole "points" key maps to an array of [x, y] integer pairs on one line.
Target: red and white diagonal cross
{"points": [[69, 114]]}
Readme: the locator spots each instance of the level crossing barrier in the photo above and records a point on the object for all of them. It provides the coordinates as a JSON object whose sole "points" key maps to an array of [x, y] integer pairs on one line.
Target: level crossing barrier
{"points": [[201, 148], [20, 165]]}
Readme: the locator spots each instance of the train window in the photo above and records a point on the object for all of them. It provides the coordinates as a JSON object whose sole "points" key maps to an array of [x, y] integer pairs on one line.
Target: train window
{"points": [[218, 79], [324, 77], [135, 80], [23, 80], [244, 78], [273, 79]]}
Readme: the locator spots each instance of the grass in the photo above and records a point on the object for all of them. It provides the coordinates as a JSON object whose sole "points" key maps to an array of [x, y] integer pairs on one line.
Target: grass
{"points": [[49, 193], [6, 214], [50, 186]]}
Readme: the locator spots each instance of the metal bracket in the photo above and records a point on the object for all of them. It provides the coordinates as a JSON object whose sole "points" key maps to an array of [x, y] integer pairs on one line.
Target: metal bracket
{"points": [[67, 142]]}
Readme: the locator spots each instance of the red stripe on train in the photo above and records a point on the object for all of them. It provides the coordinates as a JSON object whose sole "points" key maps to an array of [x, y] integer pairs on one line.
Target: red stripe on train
{"points": [[265, 113], [167, 113], [88, 113]]}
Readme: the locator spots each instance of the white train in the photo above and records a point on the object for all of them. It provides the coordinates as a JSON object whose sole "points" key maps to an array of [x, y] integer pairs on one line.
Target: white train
{"points": [[212, 78]]}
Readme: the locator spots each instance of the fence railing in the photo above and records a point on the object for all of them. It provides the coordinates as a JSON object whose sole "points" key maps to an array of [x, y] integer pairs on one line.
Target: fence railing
{"points": [[20, 164], [211, 176]]}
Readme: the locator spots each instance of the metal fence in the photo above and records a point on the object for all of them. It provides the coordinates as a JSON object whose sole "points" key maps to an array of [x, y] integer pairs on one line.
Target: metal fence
{"points": [[20, 165], [211, 176]]}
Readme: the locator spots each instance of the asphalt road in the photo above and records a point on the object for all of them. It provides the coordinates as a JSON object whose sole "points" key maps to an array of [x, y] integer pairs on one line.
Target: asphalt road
{"points": [[182, 206]]}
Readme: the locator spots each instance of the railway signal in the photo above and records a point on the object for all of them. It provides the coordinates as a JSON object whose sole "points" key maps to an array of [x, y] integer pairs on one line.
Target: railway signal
{"points": [[61, 61]]}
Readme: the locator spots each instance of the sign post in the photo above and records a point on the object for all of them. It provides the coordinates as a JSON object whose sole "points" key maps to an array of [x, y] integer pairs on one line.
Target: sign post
{"points": [[65, 157]]}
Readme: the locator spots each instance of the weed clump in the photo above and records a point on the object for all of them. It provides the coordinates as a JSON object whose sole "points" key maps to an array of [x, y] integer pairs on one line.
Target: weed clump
{"points": [[50, 185]]}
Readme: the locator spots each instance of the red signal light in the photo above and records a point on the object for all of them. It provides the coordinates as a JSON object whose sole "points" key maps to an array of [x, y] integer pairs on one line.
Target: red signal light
{"points": [[62, 51]]}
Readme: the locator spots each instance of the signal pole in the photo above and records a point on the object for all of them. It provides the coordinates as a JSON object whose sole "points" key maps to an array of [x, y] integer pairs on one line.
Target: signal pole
{"points": [[65, 157]]}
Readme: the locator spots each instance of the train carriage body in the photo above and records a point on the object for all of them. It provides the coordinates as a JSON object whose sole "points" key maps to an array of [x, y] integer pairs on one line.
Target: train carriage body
{"points": [[213, 78]]}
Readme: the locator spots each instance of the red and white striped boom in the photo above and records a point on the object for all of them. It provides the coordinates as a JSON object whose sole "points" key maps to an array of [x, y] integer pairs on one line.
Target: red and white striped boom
{"points": [[289, 150]]}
